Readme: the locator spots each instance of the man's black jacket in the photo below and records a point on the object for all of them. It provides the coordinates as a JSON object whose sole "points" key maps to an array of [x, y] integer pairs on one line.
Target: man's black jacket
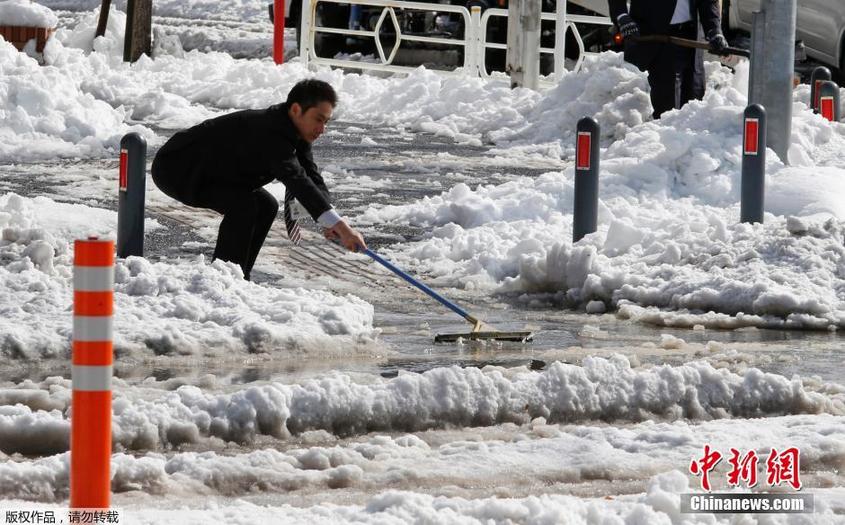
{"points": [[654, 17], [243, 151]]}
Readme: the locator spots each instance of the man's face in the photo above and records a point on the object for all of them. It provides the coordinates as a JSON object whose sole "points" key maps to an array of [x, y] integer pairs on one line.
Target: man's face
{"points": [[311, 123]]}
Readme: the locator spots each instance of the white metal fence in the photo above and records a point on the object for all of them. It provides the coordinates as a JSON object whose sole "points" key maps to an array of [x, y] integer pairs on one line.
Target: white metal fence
{"points": [[474, 42]]}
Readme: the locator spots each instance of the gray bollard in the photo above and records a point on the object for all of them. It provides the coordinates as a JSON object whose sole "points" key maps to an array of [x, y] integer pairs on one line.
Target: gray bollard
{"points": [[586, 213], [819, 75], [130, 201], [829, 100], [753, 164]]}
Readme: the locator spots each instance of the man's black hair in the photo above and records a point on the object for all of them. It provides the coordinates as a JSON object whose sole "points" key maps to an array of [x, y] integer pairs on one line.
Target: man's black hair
{"points": [[311, 92]]}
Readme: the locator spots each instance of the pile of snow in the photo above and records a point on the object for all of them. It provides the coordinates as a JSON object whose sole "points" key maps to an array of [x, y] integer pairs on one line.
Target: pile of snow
{"points": [[171, 90], [26, 13], [46, 115], [785, 272], [598, 389], [183, 308]]}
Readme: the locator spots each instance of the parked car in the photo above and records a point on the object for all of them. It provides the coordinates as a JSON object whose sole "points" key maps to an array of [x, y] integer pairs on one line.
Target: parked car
{"points": [[820, 25]]}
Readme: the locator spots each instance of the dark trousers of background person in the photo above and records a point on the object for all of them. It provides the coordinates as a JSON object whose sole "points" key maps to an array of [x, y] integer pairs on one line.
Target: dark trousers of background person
{"points": [[676, 75], [247, 216]]}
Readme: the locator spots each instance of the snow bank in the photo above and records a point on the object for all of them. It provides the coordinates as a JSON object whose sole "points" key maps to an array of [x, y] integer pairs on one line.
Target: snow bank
{"points": [[170, 90], [80, 104], [46, 115], [668, 235], [184, 308], [782, 273], [26, 13], [570, 454], [599, 389]]}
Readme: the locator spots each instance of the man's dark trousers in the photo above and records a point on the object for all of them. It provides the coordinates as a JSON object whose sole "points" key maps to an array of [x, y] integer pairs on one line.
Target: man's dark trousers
{"points": [[248, 214]]}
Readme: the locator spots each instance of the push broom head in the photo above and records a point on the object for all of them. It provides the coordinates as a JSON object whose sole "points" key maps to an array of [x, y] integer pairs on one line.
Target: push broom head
{"points": [[517, 337], [478, 334]]}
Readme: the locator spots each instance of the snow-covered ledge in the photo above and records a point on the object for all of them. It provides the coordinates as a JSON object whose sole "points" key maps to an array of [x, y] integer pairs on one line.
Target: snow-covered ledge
{"points": [[24, 20]]}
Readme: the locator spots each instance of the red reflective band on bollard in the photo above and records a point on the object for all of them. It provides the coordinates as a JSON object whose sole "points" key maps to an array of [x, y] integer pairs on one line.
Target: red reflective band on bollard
{"points": [[582, 153], [93, 253], [124, 168], [93, 303], [752, 135], [826, 108], [92, 353], [818, 93]]}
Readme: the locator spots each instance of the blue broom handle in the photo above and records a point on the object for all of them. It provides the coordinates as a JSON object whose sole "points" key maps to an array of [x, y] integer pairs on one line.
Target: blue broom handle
{"points": [[445, 302]]}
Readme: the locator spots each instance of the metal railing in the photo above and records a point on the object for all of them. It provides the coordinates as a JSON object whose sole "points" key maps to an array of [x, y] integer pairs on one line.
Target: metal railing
{"points": [[309, 31], [569, 22], [474, 42]]}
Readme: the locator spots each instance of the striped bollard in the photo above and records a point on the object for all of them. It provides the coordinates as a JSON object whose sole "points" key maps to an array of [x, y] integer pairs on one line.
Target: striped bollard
{"points": [[91, 372], [753, 164], [829, 100], [585, 216], [131, 194], [819, 75]]}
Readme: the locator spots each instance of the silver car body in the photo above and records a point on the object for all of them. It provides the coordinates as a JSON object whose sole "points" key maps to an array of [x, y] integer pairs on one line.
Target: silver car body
{"points": [[821, 25]]}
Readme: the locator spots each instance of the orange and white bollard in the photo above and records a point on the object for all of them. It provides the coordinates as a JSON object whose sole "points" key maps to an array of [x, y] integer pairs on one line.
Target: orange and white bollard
{"points": [[91, 373]]}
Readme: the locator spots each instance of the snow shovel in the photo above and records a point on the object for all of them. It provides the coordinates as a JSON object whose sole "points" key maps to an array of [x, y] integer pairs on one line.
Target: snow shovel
{"points": [[685, 42], [481, 331]]}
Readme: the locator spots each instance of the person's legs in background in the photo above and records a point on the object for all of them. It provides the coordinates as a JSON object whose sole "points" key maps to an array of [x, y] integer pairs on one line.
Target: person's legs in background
{"points": [[685, 68], [662, 80], [676, 77], [692, 69], [693, 83]]}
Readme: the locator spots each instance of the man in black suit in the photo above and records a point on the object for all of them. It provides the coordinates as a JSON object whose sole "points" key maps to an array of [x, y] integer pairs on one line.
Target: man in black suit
{"points": [[675, 74], [223, 164]]}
